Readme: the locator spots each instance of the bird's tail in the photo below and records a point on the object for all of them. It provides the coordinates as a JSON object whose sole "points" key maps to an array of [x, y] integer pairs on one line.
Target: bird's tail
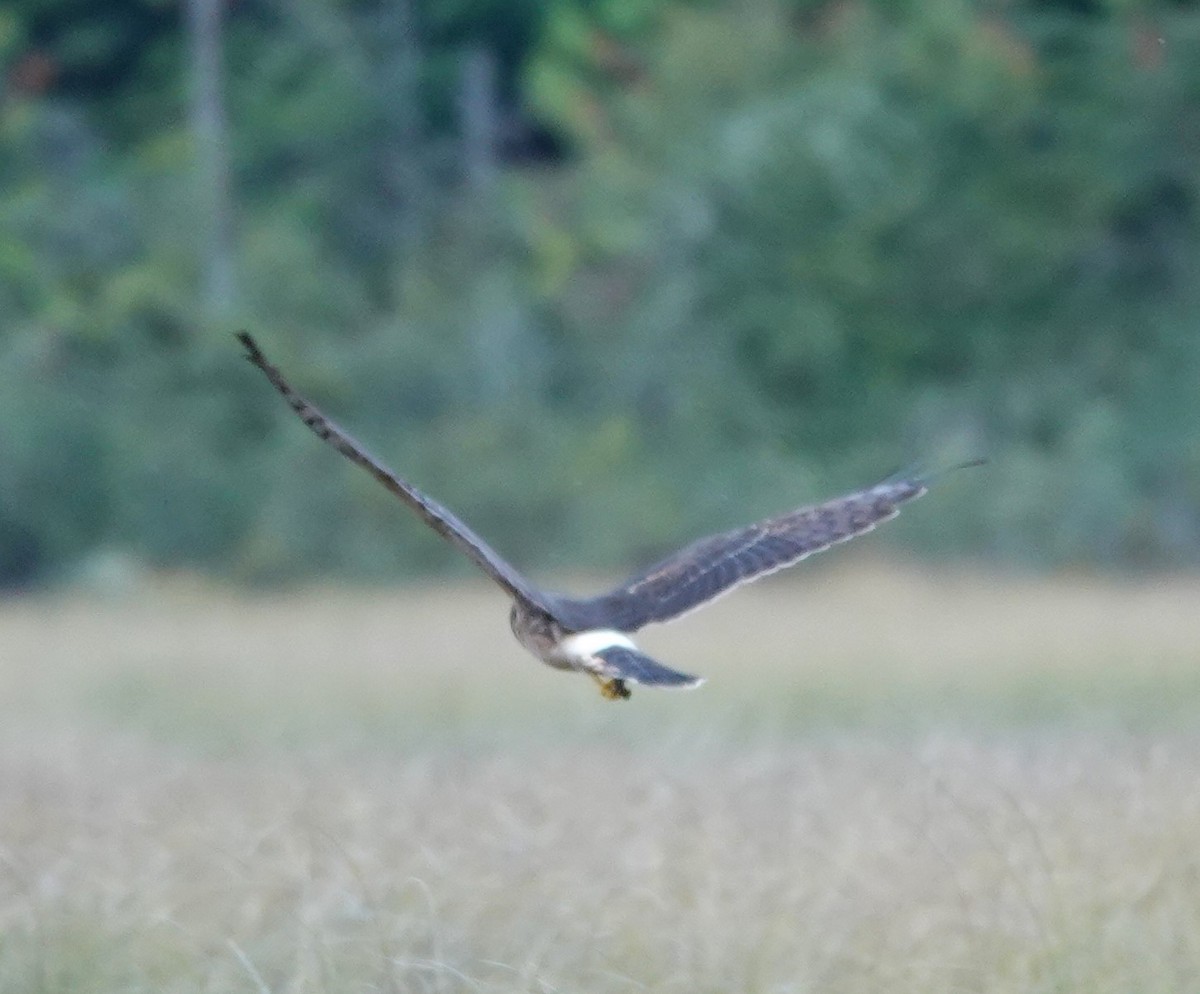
{"points": [[629, 664]]}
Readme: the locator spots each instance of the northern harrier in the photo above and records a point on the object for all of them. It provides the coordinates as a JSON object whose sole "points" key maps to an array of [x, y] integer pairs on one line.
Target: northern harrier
{"points": [[591, 635]]}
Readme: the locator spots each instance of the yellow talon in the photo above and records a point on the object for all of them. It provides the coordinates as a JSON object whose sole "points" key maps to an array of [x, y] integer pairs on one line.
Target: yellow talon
{"points": [[612, 690]]}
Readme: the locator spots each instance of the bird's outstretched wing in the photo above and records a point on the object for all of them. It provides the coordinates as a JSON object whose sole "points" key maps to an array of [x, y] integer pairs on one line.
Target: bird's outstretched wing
{"points": [[439, 518], [704, 570]]}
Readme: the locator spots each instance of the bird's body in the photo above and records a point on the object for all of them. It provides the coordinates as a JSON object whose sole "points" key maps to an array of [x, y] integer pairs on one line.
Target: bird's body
{"points": [[592, 635]]}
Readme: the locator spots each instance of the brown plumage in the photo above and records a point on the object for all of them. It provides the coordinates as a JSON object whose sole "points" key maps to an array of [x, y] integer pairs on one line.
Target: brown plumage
{"points": [[591, 634], [705, 570]]}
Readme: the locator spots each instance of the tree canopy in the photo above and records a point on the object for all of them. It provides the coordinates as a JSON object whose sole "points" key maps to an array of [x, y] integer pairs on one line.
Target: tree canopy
{"points": [[600, 274]]}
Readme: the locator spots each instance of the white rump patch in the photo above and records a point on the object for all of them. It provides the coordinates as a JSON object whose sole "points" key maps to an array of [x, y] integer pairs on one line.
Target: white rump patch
{"points": [[585, 645]]}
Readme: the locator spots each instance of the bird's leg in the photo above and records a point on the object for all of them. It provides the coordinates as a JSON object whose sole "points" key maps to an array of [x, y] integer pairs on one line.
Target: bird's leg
{"points": [[612, 690]]}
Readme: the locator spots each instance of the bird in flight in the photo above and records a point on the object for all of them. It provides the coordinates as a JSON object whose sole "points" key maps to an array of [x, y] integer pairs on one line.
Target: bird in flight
{"points": [[592, 635]]}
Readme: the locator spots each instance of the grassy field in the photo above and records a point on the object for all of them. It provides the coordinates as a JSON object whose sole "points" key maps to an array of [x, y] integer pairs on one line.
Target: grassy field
{"points": [[894, 781]]}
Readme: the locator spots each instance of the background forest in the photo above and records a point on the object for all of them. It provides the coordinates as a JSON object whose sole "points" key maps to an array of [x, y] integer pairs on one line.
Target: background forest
{"points": [[600, 274]]}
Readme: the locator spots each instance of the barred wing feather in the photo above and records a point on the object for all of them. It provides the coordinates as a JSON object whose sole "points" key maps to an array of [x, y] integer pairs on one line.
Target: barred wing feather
{"points": [[710, 567], [437, 517]]}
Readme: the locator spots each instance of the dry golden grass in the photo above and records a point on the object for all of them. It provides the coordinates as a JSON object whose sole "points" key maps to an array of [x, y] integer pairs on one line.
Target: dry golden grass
{"points": [[892, 782]]}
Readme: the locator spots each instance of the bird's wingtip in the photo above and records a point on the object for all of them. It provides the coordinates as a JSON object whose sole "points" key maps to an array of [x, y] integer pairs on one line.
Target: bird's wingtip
{"points": [[248, 343], [917, 473], [253, 353]]}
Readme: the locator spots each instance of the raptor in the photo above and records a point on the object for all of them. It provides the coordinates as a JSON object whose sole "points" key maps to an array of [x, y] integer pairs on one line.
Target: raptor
{"points": [[592, 635]]}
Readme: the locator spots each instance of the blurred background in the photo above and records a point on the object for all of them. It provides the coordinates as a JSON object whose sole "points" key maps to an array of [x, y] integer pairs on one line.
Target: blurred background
{"points": [[600, 274]]}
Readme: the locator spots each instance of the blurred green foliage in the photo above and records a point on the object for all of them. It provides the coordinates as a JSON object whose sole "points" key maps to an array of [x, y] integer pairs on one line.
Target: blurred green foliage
{"points": [[736, 255]]}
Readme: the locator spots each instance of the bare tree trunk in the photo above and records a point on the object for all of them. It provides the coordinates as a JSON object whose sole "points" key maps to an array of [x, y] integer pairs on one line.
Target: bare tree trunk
{"points": [[212, 155], [478, 105], [498, 335], [399, 56]]}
